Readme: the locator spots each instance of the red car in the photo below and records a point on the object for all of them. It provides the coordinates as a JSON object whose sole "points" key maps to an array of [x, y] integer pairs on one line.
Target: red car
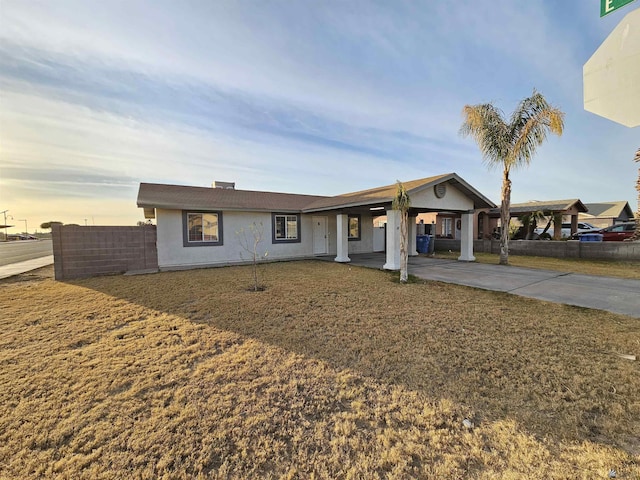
{"points": [[617, 232]]}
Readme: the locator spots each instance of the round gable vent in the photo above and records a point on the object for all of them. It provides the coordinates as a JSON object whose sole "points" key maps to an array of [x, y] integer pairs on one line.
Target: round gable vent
{"points": [[440, 190]]}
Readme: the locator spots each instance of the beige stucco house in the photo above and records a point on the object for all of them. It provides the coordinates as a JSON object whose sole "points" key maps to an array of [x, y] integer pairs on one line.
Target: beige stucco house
{"points": [[201, 226], [487, 220], [605, 214]]}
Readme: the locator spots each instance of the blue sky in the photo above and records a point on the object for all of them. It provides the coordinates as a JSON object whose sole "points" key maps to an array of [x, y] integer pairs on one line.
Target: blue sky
{"points": [[319, 97]]}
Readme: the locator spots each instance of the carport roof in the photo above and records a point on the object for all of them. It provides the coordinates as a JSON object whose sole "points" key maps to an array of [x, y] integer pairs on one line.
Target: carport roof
{"points": [[548, 206], [385, 194]]}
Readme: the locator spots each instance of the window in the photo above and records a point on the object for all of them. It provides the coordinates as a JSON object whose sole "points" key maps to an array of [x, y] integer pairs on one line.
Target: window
{"points": [[201, 229], [446, 226], [286, 228], [354, 227]]}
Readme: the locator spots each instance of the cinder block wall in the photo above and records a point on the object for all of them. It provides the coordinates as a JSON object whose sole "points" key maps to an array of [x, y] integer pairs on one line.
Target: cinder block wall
{"points": [[89, 251], [549, 248]]}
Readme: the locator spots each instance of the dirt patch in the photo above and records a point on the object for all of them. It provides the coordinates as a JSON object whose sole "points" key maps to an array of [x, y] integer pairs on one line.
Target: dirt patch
{"points": [[39, 274], [332, 372]]}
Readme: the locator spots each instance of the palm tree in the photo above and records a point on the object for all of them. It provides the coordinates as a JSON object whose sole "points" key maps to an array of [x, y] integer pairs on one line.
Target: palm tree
{"points": [[636, 234], [510, 144], [402, 202], [530, 222]]}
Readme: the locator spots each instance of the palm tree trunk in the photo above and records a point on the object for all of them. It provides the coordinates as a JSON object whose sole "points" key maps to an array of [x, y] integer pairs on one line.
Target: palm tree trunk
{"points": [[404, 252], [505, 217]]}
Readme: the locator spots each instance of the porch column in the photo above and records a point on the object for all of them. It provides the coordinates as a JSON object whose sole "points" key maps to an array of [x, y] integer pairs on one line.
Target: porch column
{"points": [[393, 240], [413, 233], [466, 237], [342, 238]]}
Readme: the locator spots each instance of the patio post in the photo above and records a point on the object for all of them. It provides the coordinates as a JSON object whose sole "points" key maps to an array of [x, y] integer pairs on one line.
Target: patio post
{"points": [[413, 237], [342, 240], [466, 238], [393, 240]]}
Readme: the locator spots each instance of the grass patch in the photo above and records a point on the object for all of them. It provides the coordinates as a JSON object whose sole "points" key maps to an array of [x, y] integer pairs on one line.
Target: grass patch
{"points": [[607, 268], [332, 372], [395, 277]]}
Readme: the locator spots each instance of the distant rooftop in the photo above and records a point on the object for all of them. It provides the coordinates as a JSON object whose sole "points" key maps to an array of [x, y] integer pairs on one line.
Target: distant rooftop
{"points": [[613, 209]]}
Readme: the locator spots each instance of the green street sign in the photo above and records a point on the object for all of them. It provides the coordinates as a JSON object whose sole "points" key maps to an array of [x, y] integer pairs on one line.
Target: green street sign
{"points": [[608, 6]]}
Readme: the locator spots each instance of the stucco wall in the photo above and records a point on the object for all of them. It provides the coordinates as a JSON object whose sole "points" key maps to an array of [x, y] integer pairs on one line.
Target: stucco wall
{"points": [[365, 244], [172, 253], [454, 199]]}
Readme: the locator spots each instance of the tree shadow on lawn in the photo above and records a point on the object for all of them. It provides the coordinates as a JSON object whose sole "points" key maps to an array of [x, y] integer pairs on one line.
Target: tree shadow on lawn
{"points": [[550, 367]]}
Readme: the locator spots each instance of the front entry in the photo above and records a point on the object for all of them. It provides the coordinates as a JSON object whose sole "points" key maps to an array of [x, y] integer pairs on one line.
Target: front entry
{"points": [[320, 238]]}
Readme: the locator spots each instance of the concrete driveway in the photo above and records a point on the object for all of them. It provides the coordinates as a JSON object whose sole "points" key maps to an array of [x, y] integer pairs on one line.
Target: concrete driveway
{"points": [[616, 295]]}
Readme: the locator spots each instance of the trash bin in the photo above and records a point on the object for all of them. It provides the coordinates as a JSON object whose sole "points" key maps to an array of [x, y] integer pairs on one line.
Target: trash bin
{"points": [[591, 237], [422, 243]]}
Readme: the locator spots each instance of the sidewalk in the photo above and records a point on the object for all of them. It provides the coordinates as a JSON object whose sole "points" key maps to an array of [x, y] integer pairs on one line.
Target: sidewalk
{"points": [[26, 266], [617, 295]]}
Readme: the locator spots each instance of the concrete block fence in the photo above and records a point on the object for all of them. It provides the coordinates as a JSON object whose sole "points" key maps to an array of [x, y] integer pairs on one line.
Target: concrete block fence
{"points": [[548, 248], [80, 252]]}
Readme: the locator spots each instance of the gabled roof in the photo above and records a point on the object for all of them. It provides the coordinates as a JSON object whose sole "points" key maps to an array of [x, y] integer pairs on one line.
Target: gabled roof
{"points": [[548, 206], [609, 209], [385, 194], [154, 195]]}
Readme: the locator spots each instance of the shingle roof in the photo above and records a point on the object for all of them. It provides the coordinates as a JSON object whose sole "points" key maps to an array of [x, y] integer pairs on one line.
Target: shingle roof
{"points": [[154, 195], [547, 206], [385, 194], [609, 209]]}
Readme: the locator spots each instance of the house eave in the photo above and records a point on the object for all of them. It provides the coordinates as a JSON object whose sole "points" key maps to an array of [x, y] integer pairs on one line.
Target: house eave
{"points": [[160, 206]]}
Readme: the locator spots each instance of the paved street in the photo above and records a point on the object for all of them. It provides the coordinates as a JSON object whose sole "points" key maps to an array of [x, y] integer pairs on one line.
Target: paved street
{"points": [[22, 250]]}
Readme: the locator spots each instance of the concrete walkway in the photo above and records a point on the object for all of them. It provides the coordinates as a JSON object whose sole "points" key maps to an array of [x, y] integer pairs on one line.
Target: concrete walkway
{"points": [[26, 266], [616, 295]]}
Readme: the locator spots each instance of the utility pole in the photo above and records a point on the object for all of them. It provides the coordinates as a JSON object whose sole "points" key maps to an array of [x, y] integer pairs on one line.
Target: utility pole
{"points": [[26, 230], [4, 212]]}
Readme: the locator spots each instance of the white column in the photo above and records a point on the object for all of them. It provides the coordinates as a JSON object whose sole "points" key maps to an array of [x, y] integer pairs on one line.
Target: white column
{"points": [[466, 238], [393, 240], [342, 238], [413, 233]]}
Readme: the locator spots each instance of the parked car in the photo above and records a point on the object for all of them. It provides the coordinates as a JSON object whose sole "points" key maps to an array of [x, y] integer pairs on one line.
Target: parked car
{"points": [[21, 236], [583, 227], [617, 232]]}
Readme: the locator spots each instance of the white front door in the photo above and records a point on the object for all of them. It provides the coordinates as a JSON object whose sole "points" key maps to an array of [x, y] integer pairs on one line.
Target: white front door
{"points": [[320, 240]]}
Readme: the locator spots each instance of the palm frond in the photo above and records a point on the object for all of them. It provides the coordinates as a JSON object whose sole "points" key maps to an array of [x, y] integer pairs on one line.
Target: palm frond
{"points": [[401, 201], [530, 123], [486, 124], [637, 157]]}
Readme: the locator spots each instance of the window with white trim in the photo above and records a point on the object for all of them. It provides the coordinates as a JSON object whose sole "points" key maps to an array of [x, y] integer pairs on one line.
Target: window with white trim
{"points": [[201, 228], [286, 228]]}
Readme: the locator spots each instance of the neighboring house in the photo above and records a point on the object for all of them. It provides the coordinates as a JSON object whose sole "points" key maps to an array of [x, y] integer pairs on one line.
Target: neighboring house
{"points": [[487, 220], [198, 226], [606, 214]]}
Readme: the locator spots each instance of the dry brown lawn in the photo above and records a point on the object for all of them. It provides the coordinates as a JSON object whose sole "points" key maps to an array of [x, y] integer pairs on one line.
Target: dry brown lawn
{"points": [[331, 372], [607, 268]]}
